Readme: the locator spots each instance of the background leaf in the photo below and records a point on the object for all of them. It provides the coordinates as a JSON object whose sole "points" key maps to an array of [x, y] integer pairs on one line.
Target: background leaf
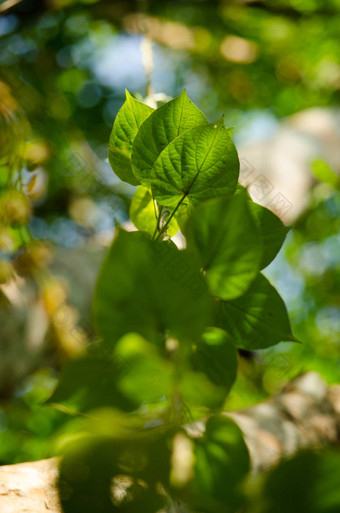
{"points": [[148, 376], [93, 467], [222, 462], [216, 356], [150, 288], [310, 481], [91, 382], [213, 368]]}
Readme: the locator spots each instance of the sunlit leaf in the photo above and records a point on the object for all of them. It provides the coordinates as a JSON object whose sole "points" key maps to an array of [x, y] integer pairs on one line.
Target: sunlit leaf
{"points": [[162, 127], [142, 213], [126, 125], [201, 163]]}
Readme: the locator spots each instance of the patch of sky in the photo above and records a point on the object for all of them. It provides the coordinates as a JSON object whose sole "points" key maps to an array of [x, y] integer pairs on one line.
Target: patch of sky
{"points": [[8, 24], [255, 125], [289, 282]]}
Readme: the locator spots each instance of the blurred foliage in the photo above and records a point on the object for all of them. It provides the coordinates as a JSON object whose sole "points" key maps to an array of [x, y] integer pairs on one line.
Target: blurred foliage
{"points": [[308, 481], [64, 65]]}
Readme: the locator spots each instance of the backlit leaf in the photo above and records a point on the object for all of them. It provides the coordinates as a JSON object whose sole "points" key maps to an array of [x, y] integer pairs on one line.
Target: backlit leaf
{"points": [[201, 163], [142, 213], [163, 126], [126, 125]]}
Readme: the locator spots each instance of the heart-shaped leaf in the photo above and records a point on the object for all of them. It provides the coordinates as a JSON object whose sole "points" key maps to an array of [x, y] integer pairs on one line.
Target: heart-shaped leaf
{"points": [[201, 163], [224, 233], [256, 320], [162, 127], [272, 232]]}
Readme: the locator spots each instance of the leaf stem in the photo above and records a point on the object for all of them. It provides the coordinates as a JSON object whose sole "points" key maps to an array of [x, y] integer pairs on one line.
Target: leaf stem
{"points": [[172, 215], [155, 206], [158, 223]]}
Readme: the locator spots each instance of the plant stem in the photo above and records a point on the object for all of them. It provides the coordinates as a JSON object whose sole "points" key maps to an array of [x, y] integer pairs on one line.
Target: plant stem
{"points": [[172, 215], [155, 206], [159, 217]]}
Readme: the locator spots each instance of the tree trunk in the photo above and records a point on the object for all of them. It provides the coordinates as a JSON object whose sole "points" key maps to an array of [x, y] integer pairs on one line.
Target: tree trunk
{"points": [[305, 414]]}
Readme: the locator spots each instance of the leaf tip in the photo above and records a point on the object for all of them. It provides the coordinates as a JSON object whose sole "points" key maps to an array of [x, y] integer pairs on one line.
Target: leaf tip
{"points": [[184, 94], [294, 339], [220, 122]]}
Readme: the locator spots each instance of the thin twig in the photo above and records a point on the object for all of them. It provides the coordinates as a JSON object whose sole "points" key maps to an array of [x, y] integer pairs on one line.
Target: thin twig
{"points": [[8, 5]]}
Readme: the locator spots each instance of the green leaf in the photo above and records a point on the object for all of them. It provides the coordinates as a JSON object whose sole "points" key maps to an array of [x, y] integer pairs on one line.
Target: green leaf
{"points": [[199, 394], [324, 173], [148, 375], [150, 288], [272, 232], [142, 213], [201, 163], [125, 128], [213, 372], [216, 356], [310, 481], [224, 233], [110, 474], [256, 320], [91, 382], [222, 462], [183, 213], [164, 125]]}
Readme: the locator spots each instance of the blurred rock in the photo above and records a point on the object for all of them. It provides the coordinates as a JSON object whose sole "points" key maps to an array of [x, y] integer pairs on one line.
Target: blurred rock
{"points": [[277, 170]]}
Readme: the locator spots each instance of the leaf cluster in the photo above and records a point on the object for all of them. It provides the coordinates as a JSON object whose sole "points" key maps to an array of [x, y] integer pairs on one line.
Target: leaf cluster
{"points": [[170, 320]]}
